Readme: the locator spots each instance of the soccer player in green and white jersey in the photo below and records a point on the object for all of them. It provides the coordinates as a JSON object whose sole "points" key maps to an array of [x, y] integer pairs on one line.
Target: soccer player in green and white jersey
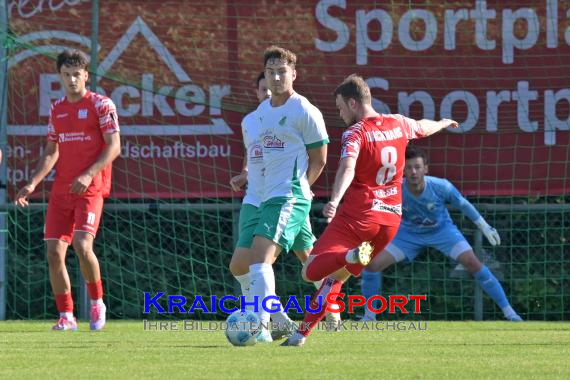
{"points": [[294, 142], [252, 175]]}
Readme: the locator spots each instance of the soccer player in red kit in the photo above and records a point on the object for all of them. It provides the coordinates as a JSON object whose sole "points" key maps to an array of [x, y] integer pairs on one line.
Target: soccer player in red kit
{"points": [[369, 179], [82, 142]]}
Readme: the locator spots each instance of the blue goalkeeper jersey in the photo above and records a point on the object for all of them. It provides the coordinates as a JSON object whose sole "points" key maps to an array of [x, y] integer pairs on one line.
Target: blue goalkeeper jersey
{"points": [[428, 211]]}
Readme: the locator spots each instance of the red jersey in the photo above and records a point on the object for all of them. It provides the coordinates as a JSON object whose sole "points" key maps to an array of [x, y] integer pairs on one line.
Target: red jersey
{"points": [[78, 130], [379, 146]]}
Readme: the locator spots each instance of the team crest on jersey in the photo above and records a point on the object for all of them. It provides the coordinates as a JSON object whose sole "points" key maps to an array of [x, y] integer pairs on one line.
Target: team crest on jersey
{"points": [[82, 113], [256, 153], [273, 142], [423, 222]]}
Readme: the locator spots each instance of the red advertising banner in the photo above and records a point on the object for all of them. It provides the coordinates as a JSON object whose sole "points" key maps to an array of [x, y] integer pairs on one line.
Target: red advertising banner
{"points": [[182, 75]]}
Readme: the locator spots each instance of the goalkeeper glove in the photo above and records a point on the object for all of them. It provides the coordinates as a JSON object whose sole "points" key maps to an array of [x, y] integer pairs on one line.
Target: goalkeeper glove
{"points": [[490, 233]]}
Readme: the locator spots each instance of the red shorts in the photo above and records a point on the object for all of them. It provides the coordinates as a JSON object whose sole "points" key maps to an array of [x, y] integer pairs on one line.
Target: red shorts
{"points": [[343, 234], [68, 213]]}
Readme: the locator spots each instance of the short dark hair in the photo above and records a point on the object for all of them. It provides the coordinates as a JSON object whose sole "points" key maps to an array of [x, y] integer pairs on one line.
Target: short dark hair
{"points": [[354, 87], [72, 57], [276, 52], [415, 152], [260, 77]]}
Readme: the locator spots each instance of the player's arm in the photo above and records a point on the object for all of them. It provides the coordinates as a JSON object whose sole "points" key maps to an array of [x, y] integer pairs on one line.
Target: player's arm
{"points": [[316, 140], [457, 200], [45, 165], [429, 127], [317, 161], [422, 128], [239, 181], [343, 179], [111, 151]]}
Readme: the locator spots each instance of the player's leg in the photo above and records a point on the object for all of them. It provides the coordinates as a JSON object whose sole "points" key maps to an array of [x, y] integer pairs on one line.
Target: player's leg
{"points": [[240, 269], [302, 247], [333, 318], [329, 253], [60, 284], [336, 241], [87, 217], [489, 283], [371, 280], [303, 244], [452, 243], [279, 223], [239, 264], [319, 304], [58, 231], [338, 238], [262, 278], [405, 246]]}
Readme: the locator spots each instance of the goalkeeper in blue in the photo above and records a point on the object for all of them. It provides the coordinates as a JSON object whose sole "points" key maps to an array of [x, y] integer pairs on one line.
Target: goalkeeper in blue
{"points": [[426, 223]]}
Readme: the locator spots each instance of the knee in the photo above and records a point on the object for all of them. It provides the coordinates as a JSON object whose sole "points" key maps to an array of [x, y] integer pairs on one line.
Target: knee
{"points": [[374, 266], [378, 263], [82, 248], [233, 268], [263, 251], [302, 255], [471, 262], [304, 274], [239, 265], [55, 256]]}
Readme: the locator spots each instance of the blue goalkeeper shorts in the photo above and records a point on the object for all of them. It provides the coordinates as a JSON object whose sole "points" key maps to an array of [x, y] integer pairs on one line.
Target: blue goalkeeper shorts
{"points": [[447, 239]]}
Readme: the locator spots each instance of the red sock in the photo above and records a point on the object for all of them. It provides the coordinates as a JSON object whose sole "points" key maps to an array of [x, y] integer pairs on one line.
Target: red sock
{"points": [[64, 303], [324, 264], [311, 319], [95, 290]]}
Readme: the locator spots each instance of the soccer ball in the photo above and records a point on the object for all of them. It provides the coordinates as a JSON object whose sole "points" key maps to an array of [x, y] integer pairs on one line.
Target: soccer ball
{"points": [[243, 328]]}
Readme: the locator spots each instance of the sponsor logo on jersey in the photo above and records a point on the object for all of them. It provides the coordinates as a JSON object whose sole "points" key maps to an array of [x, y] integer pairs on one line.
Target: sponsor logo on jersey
{"points": [[378, 205], [73, 136], [282, 121], [380, 193], [273, 142]]}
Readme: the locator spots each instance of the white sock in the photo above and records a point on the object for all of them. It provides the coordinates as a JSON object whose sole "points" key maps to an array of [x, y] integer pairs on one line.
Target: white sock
{"points": [[97, 302], [66, 315], [262, 285], [244, 281], [280, 316], [508, 311]]}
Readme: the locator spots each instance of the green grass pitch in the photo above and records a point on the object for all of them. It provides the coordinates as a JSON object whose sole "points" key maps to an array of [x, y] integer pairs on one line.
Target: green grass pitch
{"points": [[445, 350]]}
